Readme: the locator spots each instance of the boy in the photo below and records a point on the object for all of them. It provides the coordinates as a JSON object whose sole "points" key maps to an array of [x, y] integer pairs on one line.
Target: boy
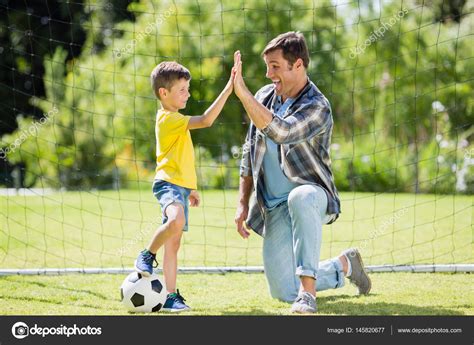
{"points": [[175, 180]]}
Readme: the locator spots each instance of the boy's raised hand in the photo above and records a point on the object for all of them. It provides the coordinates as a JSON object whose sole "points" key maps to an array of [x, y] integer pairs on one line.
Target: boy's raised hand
{"points": [[230, 84]]}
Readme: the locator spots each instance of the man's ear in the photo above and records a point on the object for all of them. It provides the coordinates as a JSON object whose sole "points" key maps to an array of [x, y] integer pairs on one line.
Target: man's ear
{"points": [[299, 63]]}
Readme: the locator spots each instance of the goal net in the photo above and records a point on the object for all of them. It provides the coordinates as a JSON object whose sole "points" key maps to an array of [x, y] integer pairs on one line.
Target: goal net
{"points": [[77, 118]]}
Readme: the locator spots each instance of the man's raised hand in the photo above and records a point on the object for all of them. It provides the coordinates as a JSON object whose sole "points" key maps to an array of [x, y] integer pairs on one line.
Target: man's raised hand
{"points": [[239, 84]]}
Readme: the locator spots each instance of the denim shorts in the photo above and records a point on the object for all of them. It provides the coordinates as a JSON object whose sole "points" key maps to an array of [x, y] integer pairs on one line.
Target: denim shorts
{"points": [[168, 193]]}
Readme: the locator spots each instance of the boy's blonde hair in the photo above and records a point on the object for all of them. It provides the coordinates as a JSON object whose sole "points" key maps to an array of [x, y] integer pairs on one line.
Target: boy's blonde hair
{"points": [[166, 74]]}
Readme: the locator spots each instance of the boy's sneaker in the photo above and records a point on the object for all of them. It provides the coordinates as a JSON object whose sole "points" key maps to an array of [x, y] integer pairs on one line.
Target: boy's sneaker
{"points": [[305, 303], [175, 303], [144, 263], [359, 276]]}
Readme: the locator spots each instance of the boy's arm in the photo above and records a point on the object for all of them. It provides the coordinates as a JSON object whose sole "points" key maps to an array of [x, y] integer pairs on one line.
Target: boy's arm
{"points": [[214, 110]]}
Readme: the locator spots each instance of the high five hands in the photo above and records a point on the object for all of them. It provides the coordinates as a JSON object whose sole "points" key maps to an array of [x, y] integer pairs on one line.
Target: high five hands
{"points": [[236, 81]]}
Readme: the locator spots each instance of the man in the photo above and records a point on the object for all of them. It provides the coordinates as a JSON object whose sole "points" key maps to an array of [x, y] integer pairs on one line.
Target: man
{"points": [[286, 163]]}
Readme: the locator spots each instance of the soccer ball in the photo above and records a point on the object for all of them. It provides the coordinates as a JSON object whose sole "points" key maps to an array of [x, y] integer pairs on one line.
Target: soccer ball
{"points": [[143, 294]]}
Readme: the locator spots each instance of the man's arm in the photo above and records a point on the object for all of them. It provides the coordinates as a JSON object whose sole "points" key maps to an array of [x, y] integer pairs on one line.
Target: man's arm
{"points": [[245, 190], [306, 122], [245, 186], [259, 115]]}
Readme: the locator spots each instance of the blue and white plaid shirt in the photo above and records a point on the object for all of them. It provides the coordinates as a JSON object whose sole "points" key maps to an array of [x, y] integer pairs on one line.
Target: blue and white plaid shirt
{"points": [[303, 137]]}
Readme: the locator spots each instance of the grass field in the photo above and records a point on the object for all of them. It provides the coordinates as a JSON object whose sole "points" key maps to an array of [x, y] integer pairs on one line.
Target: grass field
{"points": [[107, 229], [241, 294]]}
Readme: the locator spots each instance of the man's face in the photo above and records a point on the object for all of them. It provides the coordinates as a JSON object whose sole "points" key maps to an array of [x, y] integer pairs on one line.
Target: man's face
{"points": [[177, 97], [283, 75]]}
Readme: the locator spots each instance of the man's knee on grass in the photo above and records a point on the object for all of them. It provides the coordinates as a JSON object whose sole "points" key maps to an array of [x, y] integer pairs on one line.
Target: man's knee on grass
{"points": [[284, 296], [175, 218]]}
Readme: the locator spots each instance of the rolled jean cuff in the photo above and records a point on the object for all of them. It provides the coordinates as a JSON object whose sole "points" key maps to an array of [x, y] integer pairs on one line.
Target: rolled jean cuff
{"points": [[339, 273], [307, 272]]}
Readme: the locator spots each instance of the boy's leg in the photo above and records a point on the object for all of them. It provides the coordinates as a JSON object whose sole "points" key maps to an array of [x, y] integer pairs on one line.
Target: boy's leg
{"points": [[174, 301], [176, 215], [175, 220], [173, 226], [170, 261]]}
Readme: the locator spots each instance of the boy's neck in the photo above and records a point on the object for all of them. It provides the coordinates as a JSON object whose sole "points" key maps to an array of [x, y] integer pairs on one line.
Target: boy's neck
{"points": [[170, 109]]}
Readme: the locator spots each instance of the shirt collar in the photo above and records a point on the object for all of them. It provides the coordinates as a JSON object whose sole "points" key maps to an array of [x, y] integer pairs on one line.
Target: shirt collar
{"points": [[289, 100]]}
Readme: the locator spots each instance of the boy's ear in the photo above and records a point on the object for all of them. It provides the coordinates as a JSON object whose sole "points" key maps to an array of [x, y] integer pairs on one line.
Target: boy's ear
{"points": [[162, 92]]}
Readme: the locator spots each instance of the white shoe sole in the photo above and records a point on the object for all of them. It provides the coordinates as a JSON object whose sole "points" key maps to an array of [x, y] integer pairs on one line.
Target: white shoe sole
{"points": [[300, 311], [168, 310]]}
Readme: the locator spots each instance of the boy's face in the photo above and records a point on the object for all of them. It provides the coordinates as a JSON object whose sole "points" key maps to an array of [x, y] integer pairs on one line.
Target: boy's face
{"points": [[283, 75], [176, 98]]}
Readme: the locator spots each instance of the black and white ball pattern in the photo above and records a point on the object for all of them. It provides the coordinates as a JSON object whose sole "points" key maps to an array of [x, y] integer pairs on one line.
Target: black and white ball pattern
{"points": [[143, 294]]}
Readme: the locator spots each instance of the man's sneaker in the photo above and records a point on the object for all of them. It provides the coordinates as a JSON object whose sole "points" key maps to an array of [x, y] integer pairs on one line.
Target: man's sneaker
{"points": [[144, 263], [175, 303], [305, 303], [359, 276]]}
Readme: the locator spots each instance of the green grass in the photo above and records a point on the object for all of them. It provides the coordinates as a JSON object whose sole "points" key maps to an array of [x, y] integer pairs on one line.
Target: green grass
{"points": [[241, 294], [107, 229]]}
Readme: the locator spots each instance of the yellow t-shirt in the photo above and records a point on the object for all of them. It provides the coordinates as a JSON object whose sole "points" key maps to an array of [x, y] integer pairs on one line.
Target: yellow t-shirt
{"points": [[174, 150]]}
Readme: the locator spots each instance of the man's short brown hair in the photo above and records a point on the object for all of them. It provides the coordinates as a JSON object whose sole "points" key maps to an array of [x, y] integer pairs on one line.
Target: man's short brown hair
{"points": [[293, 46], [166, 74]]}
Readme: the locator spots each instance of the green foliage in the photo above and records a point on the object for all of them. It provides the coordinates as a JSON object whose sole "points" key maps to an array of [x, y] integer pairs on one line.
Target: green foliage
{"points": [[72, 149], [376, 162], [391, 99]]}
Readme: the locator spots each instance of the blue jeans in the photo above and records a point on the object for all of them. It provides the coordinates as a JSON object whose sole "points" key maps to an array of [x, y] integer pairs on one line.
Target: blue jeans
{"points": [[292, 244], [168, 193]]}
